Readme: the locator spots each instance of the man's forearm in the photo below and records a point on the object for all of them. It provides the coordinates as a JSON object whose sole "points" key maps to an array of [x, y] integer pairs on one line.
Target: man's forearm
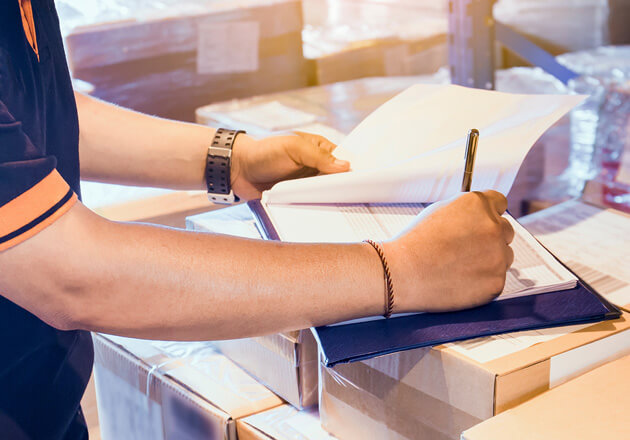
{"points": [[122, 146], [150, 282]]}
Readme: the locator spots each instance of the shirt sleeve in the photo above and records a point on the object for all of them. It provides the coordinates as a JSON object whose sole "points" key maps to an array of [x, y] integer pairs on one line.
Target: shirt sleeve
{"points": [[32, 193]]}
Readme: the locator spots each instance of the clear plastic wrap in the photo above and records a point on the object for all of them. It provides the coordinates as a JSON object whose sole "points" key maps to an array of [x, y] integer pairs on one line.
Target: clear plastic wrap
{"points": [[602, 71], [155, 389], [283, 423], [557, 25], [349, 39]]}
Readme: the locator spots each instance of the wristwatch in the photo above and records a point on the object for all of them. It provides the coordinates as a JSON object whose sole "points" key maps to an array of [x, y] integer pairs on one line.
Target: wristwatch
{"points": [[218, 165]]}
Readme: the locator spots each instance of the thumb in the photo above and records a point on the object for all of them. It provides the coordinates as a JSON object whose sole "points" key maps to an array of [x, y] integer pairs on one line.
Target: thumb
{"points": [[313, 156]]}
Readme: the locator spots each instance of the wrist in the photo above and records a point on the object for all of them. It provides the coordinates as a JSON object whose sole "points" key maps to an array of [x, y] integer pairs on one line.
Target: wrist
{"points": [[407, 289], [242, 145]]}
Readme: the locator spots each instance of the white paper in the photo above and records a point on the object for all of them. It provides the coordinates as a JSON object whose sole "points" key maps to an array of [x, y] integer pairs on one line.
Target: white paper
{"points": [[593, 242], [411, 149], [534, 270], [227, 47], [330, 133]]}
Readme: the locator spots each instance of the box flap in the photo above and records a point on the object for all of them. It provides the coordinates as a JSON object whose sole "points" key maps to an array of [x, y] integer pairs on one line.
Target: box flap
{"points": [[281, 423], [540, 352], [594, 405], [220, 381]]}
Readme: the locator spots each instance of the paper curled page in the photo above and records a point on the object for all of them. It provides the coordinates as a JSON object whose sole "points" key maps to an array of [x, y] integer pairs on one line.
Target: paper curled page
{"points": [[411, 149]]}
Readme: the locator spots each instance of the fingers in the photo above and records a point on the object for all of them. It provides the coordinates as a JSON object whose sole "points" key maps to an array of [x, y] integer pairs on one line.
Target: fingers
{"points": [[310, 154], [497, 201], [508, 229], [509, 257], [318, 140]]}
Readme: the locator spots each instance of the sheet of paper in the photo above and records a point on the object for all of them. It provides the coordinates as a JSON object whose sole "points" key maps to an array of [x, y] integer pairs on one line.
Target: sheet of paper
{"points": [[534, 270], [593, 242], [227, 47], [411, 149]]}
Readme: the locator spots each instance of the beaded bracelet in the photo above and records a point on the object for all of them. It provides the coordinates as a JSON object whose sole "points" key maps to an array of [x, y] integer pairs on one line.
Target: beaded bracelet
{"points": [[389, 304]]}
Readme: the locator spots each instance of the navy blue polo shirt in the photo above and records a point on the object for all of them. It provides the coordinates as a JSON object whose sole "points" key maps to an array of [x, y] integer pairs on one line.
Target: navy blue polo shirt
{"points": [[43, 371]]}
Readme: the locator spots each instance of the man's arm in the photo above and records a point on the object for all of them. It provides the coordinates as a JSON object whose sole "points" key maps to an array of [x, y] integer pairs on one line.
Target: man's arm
{"points": [[118, 145], [142, 281]]}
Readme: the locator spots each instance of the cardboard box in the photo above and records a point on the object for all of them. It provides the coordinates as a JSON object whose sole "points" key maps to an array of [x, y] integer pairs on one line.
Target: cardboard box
{"points": [[168, 62], [171, 390], [284, 362], [592, 406], [381, 57], [346, 39], [282, 423], [436, 393], [169, 209], [558, 26]]}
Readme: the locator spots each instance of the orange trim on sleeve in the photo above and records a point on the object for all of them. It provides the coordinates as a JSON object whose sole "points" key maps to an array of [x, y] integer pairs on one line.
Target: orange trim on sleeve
{"points": [[40, 226], [33, 204], [26, 8]]}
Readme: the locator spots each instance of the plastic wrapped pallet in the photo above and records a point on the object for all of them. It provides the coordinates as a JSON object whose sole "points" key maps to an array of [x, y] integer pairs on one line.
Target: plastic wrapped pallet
{"points": [[346, 39], [284, 362], [170, 60], [436, 393], [171, 390], [558, 25]]}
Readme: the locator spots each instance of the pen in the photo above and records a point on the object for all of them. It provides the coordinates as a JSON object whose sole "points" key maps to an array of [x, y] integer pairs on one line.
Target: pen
{"points": [[471, 152]]}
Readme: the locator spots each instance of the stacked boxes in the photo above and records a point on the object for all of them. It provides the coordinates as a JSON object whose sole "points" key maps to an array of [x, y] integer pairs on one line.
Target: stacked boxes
{"points": [[346, 39], [436, 393], [171, 64], [166, 390], [558, 26]]}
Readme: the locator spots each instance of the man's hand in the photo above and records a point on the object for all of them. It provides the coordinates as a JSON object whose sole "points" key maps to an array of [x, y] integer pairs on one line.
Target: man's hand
{"points": [[454, 256], [257, 165]]}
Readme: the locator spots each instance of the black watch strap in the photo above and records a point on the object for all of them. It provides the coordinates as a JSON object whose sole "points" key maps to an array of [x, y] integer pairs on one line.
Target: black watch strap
{"points": [[218, 166]]}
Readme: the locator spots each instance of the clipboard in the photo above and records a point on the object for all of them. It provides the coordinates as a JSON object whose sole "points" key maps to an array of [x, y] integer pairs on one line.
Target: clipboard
{"points": [[341, 343]]}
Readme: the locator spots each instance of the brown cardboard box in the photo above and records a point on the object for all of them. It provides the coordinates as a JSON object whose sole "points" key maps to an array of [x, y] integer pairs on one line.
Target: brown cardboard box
{"points": [[593, 406], [284, 362], [558, 26], [171, 390], [347, 39], [171, 63], [282, 423], [381, 57], [436, 393]]}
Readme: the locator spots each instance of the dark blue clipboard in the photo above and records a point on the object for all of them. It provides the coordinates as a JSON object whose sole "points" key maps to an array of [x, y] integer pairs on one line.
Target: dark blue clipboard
{"points": [[359, 341]]}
